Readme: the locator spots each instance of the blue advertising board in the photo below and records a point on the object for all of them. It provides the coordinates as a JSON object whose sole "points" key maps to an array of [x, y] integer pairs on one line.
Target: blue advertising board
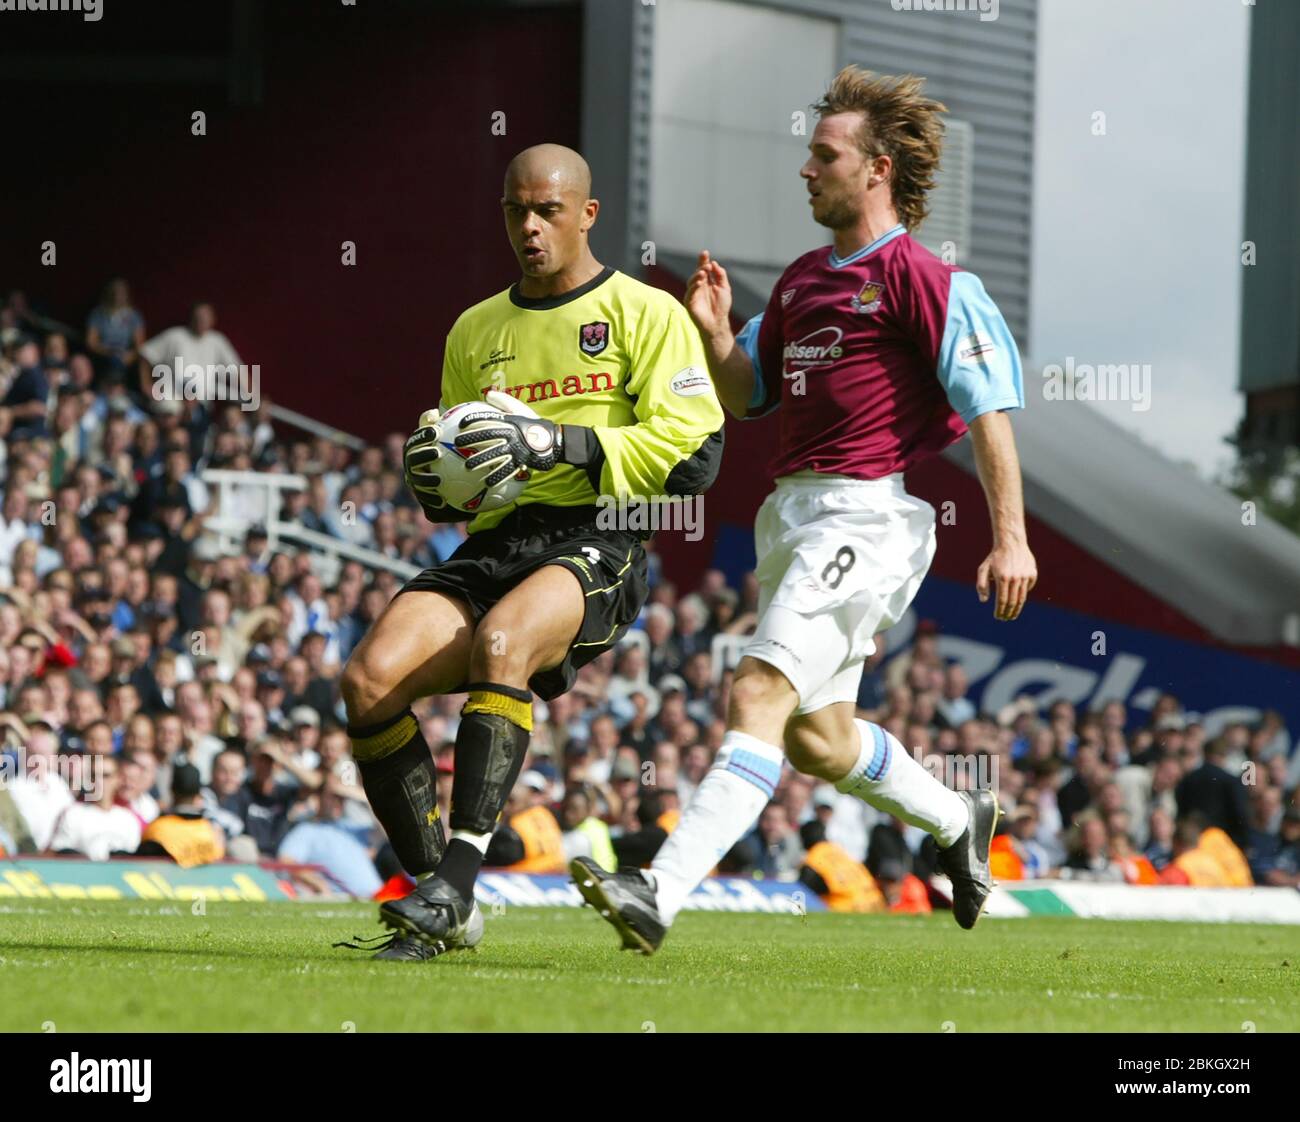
{"points": [[1051, 653], [496, 889]]}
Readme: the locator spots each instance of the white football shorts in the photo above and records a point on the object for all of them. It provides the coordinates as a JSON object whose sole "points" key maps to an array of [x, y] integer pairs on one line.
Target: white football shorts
{"points": [[839, 560]]}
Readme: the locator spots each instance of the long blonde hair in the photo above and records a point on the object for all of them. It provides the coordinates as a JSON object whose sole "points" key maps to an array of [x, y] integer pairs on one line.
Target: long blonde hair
{"points": [[898, 121]]}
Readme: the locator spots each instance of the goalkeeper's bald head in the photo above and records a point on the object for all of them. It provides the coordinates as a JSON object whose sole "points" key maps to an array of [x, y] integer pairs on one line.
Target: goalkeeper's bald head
{"points": [[554, 164], [548, 209]]}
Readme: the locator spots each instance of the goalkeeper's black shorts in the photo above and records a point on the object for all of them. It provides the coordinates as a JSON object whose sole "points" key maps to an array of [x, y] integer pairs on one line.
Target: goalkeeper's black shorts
{"points": [[609, 564]]}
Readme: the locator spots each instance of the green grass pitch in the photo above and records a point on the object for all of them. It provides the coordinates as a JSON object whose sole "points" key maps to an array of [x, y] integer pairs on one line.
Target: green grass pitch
{"points": [[129, 966]]}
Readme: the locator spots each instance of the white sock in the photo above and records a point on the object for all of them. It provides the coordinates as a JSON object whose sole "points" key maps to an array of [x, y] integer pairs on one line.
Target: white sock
{"points": [[478, 841], [727, 802], [887, 777]]}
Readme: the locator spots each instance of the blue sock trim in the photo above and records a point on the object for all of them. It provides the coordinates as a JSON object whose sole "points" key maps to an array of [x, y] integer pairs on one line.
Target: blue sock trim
{"points": [[763, 773], [880, 757]]}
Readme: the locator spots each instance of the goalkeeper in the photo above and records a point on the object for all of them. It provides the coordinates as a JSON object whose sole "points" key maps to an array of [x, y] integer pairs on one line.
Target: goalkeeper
{"points": [[601, 387]]}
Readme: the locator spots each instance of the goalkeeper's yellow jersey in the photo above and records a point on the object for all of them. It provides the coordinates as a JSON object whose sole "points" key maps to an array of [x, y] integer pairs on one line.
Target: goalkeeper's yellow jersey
{"points": [[615, 355]]}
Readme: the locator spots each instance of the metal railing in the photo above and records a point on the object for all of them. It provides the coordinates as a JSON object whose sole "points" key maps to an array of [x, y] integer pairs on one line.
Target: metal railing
{"points": [[317, 428], [253, 498], [246, 499], [725, 651]]}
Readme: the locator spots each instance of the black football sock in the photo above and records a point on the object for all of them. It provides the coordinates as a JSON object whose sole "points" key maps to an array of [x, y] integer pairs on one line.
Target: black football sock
{"points": [[490, 748], [460, 866], [401, 782]]}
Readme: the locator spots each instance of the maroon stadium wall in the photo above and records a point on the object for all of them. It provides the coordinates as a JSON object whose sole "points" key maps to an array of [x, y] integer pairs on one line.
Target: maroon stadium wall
{"points": [[374, 126]]}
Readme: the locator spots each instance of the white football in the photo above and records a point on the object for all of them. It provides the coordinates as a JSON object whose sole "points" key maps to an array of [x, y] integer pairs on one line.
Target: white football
{"points": [[447, 475]]}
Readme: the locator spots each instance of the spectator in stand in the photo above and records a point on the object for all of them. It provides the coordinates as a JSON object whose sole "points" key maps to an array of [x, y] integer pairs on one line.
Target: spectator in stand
{"points": [[198, 343], [585, 835], [114, 329], [271, 798], [672, 714], [904, 892], [773, 849], [304, 725], [602, 746], [645, 833], [625, 779], [199, 742], [692, 634], [829, 871], [695, 766], [530, 839], [309, 508], [1205, 857], [1079, 791], [665, 654], [14, 530], [955, 708], [138, 777], [40, 794], [251, 726], [320, 648], [1062, 719], [701, 692], [1284, 869], [887, 843], [636, 733], [1166, 736], [1273, 838], [54, 358], [302, 688], [1217, 795], [1132, 865], [184, 834], [1090, 851], [26, 397], [337, 764], [1160, 838], [630, 673], [661, 776], [226, 802], [325, 841], [98, 827], [923, 652]]}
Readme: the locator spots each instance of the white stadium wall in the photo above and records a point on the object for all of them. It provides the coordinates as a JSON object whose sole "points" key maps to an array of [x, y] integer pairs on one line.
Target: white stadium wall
{"points": [[714, 159], [724, 156]]}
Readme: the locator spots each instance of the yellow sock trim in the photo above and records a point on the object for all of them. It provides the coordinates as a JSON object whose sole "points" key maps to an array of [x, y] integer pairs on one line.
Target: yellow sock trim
{"points": [[369, 748], [511, 708]]}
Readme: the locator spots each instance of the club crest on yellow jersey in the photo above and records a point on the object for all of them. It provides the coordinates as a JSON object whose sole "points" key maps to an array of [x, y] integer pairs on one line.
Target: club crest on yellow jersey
{"points": [[593, 337]]}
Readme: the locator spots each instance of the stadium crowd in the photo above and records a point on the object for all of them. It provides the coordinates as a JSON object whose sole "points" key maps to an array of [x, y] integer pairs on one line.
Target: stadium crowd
{"points": [[160, 696]]}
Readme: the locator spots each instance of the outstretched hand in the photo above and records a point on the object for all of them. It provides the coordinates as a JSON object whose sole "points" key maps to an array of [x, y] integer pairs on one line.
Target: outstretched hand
{"points": [[1013, 572], [708, 296]]}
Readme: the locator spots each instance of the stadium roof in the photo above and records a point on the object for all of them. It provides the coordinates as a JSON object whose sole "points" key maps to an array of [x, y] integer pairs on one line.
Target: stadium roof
{"points": [[1179, 537]]}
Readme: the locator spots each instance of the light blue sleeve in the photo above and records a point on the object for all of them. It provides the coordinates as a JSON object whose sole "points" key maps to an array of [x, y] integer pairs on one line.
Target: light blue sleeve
{"points": [[295, 845], [979, 363], [748, 342]]}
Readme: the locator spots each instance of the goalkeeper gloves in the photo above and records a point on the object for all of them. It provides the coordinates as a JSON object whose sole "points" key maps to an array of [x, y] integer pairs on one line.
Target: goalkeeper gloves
{"points": [[520, 439], [419, 457]]}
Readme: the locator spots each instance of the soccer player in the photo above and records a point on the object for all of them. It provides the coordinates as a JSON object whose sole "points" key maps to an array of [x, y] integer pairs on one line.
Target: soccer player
{"points": [[878, 355], [605, 391]]}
